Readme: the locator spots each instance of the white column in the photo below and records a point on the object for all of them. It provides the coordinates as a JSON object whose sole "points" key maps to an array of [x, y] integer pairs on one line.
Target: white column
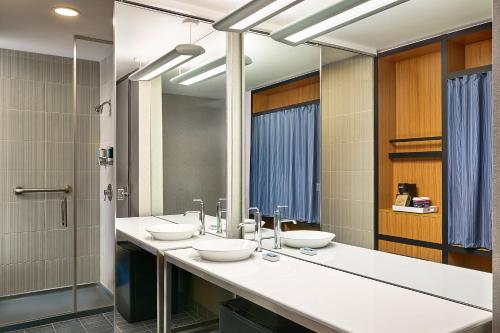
{"points": [[234, 108], [150, 150]]}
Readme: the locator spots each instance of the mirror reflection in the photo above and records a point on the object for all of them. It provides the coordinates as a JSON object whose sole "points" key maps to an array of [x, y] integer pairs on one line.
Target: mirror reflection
{"points": [[283, 133], [194, 138], [340, 187]]}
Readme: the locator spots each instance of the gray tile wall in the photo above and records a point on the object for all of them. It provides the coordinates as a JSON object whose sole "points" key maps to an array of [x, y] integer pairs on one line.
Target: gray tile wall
{"points": [[347, 150], [36, 150]]}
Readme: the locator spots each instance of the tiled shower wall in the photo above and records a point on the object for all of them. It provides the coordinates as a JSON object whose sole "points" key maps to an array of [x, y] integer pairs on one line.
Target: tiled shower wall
{"points": [[36, 150], [347, 150]]}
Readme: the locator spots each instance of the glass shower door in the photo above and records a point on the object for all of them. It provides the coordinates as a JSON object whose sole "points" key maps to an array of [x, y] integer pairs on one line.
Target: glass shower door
{"points": [[94, 177], [36, 181]]}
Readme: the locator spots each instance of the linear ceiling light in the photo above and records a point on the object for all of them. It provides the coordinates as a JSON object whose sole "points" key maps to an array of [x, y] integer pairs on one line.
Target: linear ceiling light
{"points": [[204, 72], [179, 55], [252, 14], [330, 19]]}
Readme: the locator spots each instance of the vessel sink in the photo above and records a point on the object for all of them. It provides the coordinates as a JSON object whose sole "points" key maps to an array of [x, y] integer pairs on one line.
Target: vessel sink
{"points": [[225, 249], [171, 232], [307, 238]]}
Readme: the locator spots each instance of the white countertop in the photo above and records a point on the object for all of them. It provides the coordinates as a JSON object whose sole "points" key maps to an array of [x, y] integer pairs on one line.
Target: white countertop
{"points": [[334, 300], [451, 282], [133, 229]]}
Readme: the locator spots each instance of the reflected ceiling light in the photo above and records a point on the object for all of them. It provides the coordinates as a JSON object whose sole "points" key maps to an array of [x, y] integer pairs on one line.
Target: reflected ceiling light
{"points": [[204, 72], [66, 11], [330, 19], [173, 59], [253, 13]]}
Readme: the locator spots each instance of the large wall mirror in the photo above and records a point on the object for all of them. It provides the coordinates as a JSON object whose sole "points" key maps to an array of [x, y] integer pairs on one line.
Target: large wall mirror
{"points": [[354, 160], [335, 139]]}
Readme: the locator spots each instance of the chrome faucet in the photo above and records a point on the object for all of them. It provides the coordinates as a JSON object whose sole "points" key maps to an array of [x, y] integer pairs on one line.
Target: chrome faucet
{"points": [[218, 214], [258, 227], [201, 215], [277, 226]]}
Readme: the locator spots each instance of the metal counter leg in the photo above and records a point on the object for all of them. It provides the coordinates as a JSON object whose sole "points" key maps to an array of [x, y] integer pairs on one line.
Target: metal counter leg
{"points": [[160, 295], [167, 306]]}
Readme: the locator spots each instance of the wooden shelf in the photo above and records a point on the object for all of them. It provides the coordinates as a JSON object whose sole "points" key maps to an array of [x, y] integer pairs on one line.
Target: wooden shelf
{"points": [[463, 250], [427, 138], [389, 210], [416, 154]]}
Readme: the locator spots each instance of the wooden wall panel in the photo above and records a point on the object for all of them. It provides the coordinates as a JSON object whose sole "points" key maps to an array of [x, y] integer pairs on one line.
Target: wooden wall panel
{"points": [[455, 56], [470, 261], [413, 226], [418, 96], [410, 251], [478, 54], [426, 173], [301, 91]]}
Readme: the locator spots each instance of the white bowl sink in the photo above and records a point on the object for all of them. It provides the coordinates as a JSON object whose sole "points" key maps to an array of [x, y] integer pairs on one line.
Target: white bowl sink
{"points": [[171, 232], [225, 249], [307, 238]]}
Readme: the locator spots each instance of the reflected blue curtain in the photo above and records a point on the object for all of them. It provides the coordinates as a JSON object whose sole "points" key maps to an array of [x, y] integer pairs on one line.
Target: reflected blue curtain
{"points": [[285, 163], [470, 161]]}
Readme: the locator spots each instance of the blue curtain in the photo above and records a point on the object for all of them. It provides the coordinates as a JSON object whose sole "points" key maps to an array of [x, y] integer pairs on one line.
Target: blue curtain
{"points": [[285, 162], [470, 161]]}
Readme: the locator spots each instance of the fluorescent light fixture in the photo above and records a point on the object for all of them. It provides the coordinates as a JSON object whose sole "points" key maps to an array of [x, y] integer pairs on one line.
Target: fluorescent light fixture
{"points": [[66, 11], [252, 14], [204, 72], [330, 19], [173, 59]]}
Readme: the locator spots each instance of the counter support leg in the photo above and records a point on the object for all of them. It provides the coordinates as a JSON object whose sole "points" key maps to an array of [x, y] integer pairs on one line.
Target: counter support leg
{"points": [[167, 306], [159, 292]]}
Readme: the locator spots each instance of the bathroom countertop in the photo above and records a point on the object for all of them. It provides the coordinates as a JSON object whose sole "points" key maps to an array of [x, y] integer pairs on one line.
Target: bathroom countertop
{"points": [[328, 300], [133, 229], [451, 282]]}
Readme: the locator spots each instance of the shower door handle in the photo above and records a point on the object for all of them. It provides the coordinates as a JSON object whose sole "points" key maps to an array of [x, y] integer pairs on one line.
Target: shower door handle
{"points": [[64, 212]]}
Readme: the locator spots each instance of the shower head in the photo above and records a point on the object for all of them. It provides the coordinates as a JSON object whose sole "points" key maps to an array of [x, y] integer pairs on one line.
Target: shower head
{"points": [[100, 107]]}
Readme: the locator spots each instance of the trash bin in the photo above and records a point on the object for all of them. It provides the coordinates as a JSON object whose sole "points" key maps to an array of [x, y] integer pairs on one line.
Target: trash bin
{"points": [[242, 316], [135, 282]]}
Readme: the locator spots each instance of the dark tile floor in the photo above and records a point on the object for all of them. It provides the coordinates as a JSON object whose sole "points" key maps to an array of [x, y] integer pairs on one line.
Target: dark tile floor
{"points": [[103, 323], [44, 304]]}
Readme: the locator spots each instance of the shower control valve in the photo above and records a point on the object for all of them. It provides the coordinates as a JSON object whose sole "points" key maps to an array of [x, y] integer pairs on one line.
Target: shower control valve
{"points": [[108, 192]]}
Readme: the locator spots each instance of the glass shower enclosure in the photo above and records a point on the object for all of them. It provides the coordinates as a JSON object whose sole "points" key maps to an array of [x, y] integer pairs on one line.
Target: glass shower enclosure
{"points": [[56, 230]]}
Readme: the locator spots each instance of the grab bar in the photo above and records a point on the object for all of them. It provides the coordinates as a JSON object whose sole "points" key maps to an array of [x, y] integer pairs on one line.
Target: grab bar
{"points": [[21, 190]]}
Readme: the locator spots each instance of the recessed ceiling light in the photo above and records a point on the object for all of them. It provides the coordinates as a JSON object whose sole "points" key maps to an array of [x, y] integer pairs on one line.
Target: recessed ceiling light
{"points": [[66, 11]]}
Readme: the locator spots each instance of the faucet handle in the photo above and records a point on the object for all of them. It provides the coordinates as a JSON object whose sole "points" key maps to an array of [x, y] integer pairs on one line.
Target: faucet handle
{"points": [[222, 199], [246, 223], [198, 200], [254, 209], [279, 207]]}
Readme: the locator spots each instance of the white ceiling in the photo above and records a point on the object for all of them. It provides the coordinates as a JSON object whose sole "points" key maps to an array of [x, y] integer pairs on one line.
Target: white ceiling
{"points": [[32, 26], [415, 19]]}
